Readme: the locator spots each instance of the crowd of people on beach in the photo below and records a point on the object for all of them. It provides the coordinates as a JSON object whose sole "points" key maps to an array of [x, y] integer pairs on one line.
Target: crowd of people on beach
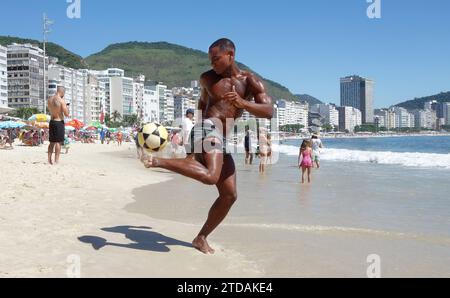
{"points": [[28, 137], [309, 154]]}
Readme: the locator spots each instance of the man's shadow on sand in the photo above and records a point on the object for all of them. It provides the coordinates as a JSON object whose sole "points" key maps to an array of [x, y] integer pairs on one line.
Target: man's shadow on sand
{"points": [[142, 238]]}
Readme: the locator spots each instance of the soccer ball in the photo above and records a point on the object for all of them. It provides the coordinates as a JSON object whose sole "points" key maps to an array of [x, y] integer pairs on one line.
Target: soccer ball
{"points": [[153, 137]]}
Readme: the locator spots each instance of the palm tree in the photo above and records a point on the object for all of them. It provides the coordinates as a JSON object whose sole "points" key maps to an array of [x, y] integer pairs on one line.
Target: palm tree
{"points": [[26, 112], [116, 117], [130, 120]]}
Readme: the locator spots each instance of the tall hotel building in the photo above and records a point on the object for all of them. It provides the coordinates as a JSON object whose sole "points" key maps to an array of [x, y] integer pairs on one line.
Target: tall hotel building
{"points": [[357, 92]]}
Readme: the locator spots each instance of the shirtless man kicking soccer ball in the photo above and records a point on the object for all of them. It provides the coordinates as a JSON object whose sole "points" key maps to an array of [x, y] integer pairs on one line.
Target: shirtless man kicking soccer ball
{"points": [[226, 92]]}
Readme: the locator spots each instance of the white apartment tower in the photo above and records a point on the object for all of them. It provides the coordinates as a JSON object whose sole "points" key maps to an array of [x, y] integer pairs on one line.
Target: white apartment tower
{"points": [[289, 112], [74, 82], [25, 70], [3, 78], [150, 105], [349, 118], [118, 91]]}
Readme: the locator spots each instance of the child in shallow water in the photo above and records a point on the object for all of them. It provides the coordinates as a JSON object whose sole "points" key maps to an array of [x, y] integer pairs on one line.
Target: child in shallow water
{"points": [[305, 161]]}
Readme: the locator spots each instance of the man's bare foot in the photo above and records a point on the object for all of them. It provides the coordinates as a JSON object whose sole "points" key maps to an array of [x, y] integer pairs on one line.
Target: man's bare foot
{"points": [[202, 245], [50, 162], [148, 160]]}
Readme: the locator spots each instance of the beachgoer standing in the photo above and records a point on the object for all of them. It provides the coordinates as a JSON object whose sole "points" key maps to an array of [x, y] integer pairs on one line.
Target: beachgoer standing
{"points": [[58, 109], [263, 150], [248, 147], [305, 162], [186, 128], [316, 146]]}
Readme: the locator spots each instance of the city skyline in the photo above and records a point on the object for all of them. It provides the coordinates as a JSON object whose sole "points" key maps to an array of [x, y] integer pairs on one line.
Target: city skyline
{"points": [[306, 46]]}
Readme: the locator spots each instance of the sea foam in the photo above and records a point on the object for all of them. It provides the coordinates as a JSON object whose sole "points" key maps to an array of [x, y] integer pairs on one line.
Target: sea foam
{"points": [[408, 159]]}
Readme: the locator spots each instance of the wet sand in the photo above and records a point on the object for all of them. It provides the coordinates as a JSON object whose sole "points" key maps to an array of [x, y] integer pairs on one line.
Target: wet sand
{"points": [[68, 220], [326, 229]]}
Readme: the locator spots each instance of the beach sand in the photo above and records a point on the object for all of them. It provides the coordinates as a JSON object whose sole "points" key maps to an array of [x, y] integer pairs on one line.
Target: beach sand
{"points": [[121, 220], [52, 216]]}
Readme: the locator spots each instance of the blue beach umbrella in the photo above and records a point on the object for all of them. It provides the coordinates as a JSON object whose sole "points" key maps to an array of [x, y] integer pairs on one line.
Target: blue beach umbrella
{"points": [[11, 125]]}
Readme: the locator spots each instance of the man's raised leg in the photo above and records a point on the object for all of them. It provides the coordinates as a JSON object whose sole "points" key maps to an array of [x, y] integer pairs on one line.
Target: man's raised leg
{"points": [[207, 172]]}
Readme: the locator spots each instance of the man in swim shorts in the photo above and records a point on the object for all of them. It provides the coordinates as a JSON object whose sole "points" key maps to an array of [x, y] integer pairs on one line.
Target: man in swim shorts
{"points": [[227, 92], [58, 109]]}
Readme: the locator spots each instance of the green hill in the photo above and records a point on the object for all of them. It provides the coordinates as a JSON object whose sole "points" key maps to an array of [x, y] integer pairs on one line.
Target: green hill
{"points": [[311, 100], [64, 56], [418, 103], [161, 61]]}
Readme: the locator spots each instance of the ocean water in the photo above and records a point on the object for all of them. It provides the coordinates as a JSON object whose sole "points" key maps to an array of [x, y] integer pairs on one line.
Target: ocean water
{"points": [[380, 195], [422, 152]]}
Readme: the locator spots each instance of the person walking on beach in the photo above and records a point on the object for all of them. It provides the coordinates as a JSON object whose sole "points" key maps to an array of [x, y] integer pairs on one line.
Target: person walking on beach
{"points": [[67, 142], [248, 147], [186, 128], [58, 109], [269, 149], [11, 136], [175, 142], [119, 138], [102, 136], [108, 137], [305, 162], [316, 146], [139, 150], [263, 150], [227, 92]]}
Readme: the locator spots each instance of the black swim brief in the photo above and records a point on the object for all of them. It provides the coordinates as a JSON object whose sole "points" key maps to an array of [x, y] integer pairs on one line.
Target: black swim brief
{"points": [[57, 131], [202, 131]]}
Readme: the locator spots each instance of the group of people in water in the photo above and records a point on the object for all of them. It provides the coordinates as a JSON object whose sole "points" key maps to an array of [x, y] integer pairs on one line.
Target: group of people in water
{"points": [[263, 151]]}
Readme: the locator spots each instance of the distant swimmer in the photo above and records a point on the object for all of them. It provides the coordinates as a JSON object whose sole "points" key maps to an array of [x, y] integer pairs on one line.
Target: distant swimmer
{"points": [[227, 92]]}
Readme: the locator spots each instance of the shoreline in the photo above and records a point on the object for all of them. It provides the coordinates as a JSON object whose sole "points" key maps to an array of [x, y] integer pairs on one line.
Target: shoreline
{"points": [[123, 220], [287, 233], [54, 215], [324, 136]]}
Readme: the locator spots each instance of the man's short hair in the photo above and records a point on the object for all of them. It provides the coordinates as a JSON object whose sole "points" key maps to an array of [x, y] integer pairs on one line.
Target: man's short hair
{"points": [[60, 88], [224, 44]]}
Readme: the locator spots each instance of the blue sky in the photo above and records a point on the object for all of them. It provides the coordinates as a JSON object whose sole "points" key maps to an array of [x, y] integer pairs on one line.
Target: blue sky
{"points": [[305, 45]]}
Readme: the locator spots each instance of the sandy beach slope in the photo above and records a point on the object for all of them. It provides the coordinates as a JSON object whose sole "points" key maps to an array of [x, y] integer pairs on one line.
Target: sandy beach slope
{"points": [[54, 218]]}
